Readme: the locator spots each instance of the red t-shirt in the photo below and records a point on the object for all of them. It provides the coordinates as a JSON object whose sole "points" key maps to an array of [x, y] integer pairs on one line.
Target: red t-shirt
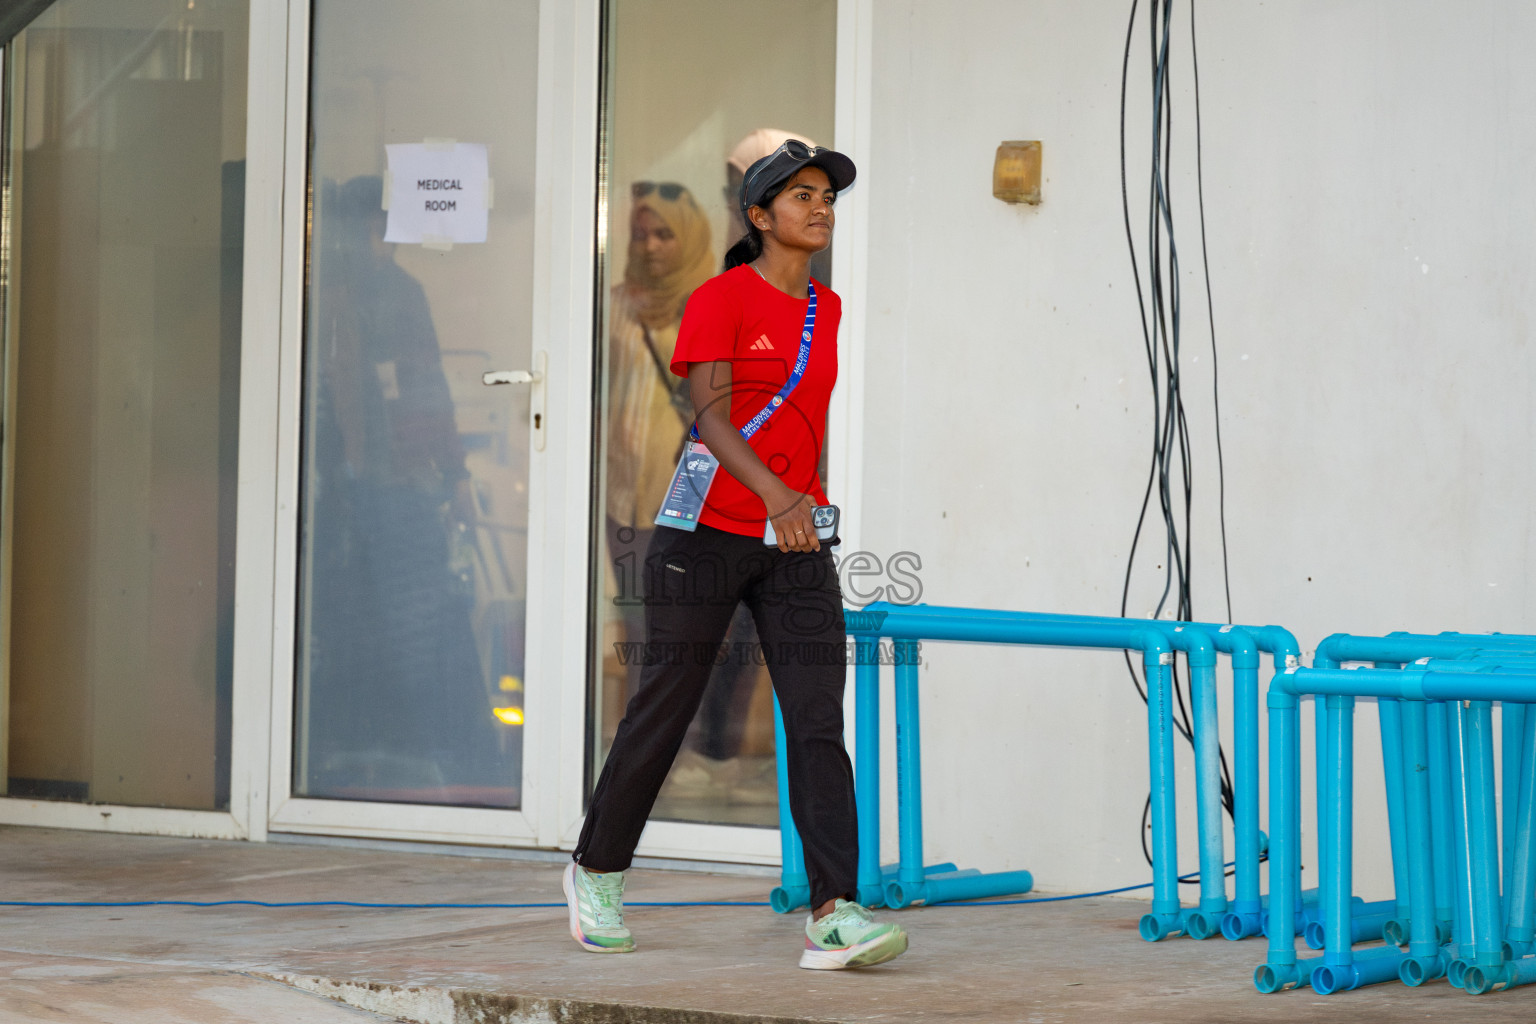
{"points": [[740, 318]]}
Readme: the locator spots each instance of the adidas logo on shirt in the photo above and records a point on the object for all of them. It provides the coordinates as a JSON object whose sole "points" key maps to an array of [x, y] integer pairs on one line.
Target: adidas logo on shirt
{"points": [[761, 344]]}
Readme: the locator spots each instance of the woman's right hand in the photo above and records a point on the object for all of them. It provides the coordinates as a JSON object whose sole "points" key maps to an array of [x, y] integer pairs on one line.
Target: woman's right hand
{"points": [[793, 525]]}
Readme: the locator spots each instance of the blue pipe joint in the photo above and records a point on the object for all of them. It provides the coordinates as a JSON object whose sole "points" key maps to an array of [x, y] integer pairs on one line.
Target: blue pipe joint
{"points": [[1417, 970], [1157, 927], [1480, 979], [1398, 931], [1272, 977], [1204, 924], [1365, 969], [873, 894], [786, 898], [1242, 922], [1367, 928], [1395, 931]]}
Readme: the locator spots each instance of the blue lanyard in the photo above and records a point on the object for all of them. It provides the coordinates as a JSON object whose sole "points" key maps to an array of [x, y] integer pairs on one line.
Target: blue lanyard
{"points": [[795, 374]]}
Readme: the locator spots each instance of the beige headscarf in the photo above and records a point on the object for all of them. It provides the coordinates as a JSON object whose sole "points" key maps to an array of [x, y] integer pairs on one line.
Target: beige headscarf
{"points": [[659, 300]]}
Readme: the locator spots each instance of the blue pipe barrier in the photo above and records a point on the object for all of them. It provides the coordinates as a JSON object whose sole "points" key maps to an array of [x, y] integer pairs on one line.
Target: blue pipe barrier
{"points": [[1242, 643], [794, 888], [1282, 970], [1480, 963], [922, 622], [1395, 650]]}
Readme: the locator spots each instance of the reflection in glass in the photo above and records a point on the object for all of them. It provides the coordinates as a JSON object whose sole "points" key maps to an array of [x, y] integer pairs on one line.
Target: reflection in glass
{"points": [[126, 225], [682, 132], [410, 682]]}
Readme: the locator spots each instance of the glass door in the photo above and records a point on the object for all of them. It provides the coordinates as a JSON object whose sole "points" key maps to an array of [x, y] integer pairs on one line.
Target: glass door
{"points": [[694, 93], [124, 177], [415, 486]]}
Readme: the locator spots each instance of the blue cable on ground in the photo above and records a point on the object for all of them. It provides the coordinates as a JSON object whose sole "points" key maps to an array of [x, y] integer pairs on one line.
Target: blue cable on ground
{"points": [[64, 904], [511, 906]]}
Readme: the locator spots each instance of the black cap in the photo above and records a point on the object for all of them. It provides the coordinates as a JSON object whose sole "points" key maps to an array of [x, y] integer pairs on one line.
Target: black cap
{"points": [[765, 176]]}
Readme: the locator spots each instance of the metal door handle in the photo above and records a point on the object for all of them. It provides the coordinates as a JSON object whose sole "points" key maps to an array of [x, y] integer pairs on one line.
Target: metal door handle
{"points": [[537, 421], [490, 377]]}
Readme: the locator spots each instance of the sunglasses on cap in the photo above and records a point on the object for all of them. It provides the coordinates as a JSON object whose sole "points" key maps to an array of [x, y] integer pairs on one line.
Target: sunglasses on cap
{"points": [[796, 149], [778, 167], [669, 190]]}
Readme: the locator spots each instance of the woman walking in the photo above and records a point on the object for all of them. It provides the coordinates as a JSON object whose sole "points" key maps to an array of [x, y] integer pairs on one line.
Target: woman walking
{"points": [[758, 345]]}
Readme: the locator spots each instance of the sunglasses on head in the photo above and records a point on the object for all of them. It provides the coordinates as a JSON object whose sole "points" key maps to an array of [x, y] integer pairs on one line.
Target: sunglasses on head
{"points": [[669, 190]]}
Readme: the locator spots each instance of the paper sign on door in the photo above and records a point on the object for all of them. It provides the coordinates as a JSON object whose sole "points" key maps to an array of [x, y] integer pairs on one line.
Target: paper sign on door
{"points": [[438, 193]]}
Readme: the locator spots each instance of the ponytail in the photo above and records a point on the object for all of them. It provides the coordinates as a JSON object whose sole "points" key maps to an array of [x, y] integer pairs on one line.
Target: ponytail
{"points": [[751, 245], [745, 251]]}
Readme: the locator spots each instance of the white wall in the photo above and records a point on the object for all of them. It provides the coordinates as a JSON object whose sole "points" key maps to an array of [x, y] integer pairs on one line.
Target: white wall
{"points": [[1369, 202]]}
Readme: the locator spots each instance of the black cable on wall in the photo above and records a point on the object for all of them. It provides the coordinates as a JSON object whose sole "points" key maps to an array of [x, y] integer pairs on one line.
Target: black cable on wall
{"points": [[1170, 474]]}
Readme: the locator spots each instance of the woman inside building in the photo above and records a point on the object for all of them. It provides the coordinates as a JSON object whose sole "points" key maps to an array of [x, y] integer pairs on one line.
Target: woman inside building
{"points": [[758, 346], [648, 408]]}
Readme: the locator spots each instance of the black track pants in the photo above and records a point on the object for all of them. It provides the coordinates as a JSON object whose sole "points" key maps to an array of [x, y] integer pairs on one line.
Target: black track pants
{"points": [[693, 582]]}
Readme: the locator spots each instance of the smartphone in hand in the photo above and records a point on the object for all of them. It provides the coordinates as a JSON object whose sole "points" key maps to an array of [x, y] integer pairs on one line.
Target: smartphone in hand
{"points": [[823, 517]]}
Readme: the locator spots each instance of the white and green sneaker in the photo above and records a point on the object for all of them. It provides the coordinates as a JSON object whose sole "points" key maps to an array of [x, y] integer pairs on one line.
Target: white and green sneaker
{"points": [[849, 937], [597, 909]]}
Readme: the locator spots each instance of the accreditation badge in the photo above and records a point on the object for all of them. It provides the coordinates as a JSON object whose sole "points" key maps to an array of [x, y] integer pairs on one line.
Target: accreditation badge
{"points": [[689, 487]]}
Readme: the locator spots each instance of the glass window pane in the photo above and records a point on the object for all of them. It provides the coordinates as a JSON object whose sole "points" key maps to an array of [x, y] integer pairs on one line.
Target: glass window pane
{"points": [[127, 225], [689, 105], [415, 505]]}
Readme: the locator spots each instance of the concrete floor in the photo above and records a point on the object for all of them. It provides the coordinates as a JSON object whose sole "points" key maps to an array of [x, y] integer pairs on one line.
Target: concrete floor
{"points": [[1040, 963]]}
